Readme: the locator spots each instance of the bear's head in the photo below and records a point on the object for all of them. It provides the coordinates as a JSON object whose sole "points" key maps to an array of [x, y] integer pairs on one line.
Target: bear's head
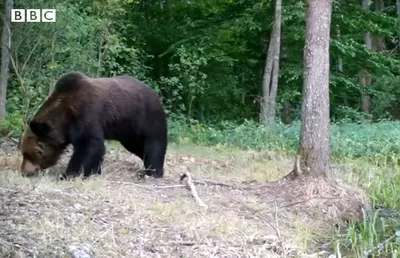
{"points": [[40, 148]]}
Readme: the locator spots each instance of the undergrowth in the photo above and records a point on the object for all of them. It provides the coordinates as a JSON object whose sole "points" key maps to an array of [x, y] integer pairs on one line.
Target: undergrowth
{"points": [[381, 184], [374, 141]]}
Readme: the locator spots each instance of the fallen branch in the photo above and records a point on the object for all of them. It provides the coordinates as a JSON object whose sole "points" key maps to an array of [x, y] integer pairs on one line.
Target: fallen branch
{"points": [[207, 181], [175, 243], [147, 186], [195, 182], [193, 189]]}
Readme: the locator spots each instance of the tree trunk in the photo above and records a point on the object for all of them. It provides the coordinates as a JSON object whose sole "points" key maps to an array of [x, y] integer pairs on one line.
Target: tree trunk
{"points": [[275, 66], [270, 87], [372, 43], [398, 18], [340, 62], [267, 79], [364, 76], [286, 112], [5, 58], [378, 42], [314, 152]]}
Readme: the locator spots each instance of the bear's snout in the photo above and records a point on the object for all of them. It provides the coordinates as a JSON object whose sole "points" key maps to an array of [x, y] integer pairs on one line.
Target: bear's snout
{"points": [[28, 168]]}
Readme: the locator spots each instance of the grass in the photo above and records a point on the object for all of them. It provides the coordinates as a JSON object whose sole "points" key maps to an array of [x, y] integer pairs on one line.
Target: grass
{"points": [[118, 219], [119, 216]]}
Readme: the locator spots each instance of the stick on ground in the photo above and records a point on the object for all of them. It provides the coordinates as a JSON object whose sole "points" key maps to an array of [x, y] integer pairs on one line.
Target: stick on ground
{"points": [[192, 188]]}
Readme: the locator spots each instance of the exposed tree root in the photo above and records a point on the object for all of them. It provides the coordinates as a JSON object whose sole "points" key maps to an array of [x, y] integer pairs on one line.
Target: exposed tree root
{"points": [[318, 195]]}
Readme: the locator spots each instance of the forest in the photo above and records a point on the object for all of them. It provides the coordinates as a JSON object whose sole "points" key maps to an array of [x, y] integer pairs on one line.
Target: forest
{"points": [[235, 83]]}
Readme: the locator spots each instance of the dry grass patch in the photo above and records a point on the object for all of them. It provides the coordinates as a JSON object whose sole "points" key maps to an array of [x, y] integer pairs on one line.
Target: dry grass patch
{"points": [[118, 215], [229, 165]]}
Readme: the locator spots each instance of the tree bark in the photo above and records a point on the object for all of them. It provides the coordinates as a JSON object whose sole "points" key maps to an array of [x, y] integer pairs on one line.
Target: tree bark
{"points": [[314, 152], [275, 66], [398, 18], [271, 71], [267, 79], [378, 42], [340, 62], [286, 112], [364, 76], [5, 58]]}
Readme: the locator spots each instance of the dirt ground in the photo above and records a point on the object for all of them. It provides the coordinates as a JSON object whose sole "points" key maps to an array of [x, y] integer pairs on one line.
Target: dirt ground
{"points": [[117, 215]]}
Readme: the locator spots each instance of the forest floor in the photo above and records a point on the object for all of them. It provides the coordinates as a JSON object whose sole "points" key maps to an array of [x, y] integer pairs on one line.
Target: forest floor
{"points": [[118, 215]]}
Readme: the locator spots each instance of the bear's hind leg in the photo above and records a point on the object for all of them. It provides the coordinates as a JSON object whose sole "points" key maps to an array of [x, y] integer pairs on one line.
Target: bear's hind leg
{"points": [[88, 156], [153, 158], [136, 148]]}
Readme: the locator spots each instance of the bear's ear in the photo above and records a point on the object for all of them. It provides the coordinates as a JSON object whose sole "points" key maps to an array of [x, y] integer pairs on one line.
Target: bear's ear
{"points": [[40, 129]]}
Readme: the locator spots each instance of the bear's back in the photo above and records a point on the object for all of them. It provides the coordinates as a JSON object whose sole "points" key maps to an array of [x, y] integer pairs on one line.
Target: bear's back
{"points": [[124, 85]]}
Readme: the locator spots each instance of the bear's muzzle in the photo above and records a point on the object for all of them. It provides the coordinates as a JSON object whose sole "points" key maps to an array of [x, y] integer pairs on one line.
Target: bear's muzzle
{"points": [[28, 168]]}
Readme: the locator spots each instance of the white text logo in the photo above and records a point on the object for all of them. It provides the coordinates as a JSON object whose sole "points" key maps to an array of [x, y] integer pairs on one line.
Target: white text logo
{"points": [[33, 15]]}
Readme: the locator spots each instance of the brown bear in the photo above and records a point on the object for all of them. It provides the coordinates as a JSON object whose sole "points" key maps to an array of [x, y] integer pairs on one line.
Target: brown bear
{"points": [[84, 112]]}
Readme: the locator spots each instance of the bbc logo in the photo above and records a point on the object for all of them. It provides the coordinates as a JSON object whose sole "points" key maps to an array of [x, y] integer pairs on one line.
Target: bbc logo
{"points": [[33, 15]]}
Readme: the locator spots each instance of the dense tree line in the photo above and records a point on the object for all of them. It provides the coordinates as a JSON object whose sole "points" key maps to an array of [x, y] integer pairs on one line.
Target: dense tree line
{"points": [[207, 58]]}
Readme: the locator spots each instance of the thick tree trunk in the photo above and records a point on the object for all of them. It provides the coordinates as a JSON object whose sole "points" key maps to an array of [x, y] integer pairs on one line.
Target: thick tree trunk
{"points": [[271, 71], [314, 153], [5, 58]]}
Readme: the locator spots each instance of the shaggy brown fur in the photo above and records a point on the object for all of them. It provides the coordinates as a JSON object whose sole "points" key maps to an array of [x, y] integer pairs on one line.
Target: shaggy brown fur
{"points": [[84, 112]]}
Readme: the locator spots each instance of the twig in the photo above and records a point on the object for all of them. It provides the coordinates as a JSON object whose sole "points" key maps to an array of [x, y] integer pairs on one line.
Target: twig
{"points": [[264, 219], [182, 242], [14, 140], [140, 247], [307, 200], [64, 192], [213, 183], [170, 186], [146, 186], [193, 189], [277, 222]]}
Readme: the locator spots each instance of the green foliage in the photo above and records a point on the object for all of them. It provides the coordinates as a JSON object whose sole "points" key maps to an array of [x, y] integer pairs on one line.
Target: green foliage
{"points": [[187, 83], [374, 142], [205, 58], [13, 124]]}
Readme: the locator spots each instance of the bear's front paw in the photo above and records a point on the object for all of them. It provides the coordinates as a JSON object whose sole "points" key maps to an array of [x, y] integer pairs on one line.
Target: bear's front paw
{"points": [[141, 174], [66, 177], [62, 177]]}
